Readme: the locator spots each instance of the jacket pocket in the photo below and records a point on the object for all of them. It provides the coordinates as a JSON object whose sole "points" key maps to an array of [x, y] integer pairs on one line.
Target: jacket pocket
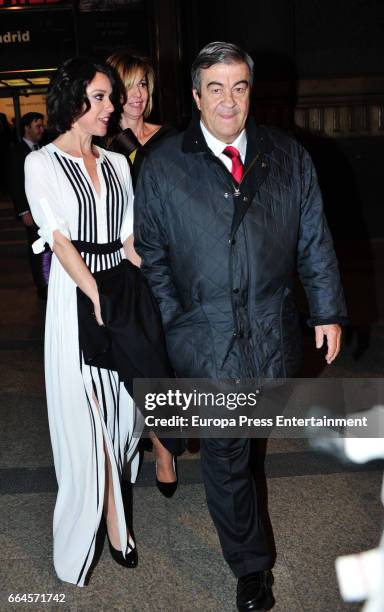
{"points": [[190, 345], [266, 346]]}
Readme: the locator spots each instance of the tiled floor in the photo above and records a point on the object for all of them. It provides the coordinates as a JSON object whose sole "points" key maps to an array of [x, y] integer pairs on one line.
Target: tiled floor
{"points": [[319, 509]]}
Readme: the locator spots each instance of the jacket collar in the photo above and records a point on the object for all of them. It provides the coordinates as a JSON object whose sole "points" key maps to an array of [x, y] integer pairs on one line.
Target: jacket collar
{"points": [[258, 140], [193, 139], [256, 167]]}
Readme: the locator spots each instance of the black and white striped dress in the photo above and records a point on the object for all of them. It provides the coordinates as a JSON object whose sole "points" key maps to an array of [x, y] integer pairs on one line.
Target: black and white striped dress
{"points": [[62, 197]]}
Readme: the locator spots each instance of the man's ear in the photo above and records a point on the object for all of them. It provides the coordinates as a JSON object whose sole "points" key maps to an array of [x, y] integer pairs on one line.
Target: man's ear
{"points": [[196, 97]]}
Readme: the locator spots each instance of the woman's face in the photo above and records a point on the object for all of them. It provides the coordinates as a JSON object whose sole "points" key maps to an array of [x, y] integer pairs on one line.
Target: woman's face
{"points": [[137, 96], [96, 119]]}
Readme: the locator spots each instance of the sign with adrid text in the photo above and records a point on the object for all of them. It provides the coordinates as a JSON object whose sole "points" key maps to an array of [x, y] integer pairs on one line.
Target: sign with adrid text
{"points": [[15, 37], [30, 39]]}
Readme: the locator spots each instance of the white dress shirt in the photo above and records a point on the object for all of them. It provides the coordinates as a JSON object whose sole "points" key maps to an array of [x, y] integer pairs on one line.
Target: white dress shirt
{"points": [[217, 146], [30, 143]]}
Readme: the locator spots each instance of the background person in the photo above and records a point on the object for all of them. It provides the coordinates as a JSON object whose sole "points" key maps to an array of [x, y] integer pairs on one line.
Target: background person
{"points": [[135, 139], [32, 129], [5, 142], [225, 213]]}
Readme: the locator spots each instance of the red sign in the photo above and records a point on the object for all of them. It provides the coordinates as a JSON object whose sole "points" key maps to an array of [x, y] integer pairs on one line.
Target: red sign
{"points": [[28, 3]]}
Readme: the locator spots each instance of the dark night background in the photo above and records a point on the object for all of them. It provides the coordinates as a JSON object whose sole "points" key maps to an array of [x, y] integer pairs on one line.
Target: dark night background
{"points": [[319, 73]]}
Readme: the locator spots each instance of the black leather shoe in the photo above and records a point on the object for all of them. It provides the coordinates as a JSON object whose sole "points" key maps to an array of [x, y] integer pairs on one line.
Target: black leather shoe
{"points": [[167, 488], [131, 557], [254, 592]]}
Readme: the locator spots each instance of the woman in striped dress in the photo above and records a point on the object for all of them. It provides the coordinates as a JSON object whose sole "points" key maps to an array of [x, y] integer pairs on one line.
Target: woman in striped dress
{"points": [[81, 198]]}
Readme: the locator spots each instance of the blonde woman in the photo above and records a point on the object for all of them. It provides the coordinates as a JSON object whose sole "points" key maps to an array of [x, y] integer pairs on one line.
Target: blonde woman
{"points": [[136, 138]]}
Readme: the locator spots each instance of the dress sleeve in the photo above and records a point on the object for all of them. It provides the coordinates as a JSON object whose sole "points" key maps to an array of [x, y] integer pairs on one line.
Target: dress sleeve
{"points": [[41, 188], [127, 224]]}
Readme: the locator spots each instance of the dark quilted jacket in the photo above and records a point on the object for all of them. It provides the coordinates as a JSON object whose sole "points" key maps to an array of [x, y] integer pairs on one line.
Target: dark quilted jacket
{"points": [[221, 263]]}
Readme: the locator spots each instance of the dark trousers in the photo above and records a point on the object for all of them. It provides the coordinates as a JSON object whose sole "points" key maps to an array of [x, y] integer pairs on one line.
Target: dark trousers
{"points": [[40, 263], [230, 488]]}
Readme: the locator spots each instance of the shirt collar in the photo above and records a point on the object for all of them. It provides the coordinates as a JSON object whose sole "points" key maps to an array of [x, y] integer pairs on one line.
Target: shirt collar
{"points": [[217, 146], [29, 143]]}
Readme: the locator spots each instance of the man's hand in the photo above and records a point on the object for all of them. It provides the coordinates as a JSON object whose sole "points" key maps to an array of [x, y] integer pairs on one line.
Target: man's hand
{"points": [[333, 334], [27, 219]]}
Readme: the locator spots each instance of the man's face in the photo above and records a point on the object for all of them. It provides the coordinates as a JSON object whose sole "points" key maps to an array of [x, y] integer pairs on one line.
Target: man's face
{"points": [[224, 99], [34, 132]]}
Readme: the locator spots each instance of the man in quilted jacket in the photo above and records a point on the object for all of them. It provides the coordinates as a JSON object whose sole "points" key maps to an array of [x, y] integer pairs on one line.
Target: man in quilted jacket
{"points": [[225, 214]]}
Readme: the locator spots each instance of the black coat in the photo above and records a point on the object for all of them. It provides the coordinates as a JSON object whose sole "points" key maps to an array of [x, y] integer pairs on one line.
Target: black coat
{"points": [[131, 341], [125, 142], [222, 265], [18, 153]]}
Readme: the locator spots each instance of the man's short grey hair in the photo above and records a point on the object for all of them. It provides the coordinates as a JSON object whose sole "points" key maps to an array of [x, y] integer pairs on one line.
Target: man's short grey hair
{"points": [[219, 53]]}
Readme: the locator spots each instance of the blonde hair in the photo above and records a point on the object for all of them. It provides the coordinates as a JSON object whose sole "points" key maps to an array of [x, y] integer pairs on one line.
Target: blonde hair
{"points": [[127, 65]]}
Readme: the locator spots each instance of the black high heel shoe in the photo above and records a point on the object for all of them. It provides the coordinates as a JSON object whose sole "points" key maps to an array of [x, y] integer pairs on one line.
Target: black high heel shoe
{"points": [[168, 488], [131, 556]]}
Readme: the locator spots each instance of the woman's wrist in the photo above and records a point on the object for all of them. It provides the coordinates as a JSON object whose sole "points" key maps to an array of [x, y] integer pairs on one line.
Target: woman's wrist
{"points": [[94, 296], [97, 310]]}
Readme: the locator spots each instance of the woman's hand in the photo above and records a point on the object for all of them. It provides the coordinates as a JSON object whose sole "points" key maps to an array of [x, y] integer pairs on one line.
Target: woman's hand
{"points": [[98, 312], [130, 252], [73, 263]]}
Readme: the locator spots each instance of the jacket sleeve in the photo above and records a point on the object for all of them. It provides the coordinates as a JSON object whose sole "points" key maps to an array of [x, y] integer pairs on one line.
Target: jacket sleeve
{"points": [[316, 259], [151, 240], [16, 180]]}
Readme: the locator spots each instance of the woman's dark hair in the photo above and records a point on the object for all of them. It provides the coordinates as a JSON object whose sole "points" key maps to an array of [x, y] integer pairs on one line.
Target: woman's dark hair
{"points": [[67, 100]]}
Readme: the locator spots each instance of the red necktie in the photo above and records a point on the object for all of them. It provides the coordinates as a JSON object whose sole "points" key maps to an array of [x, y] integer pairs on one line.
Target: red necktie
{"points": [[237, 165]]}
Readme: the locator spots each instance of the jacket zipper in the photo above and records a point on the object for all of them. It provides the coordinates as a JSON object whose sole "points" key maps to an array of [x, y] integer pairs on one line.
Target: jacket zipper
{"points": [[238, 328], [237, 189], [236, 193]]}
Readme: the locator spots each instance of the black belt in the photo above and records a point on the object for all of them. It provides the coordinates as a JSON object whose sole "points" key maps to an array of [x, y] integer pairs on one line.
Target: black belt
{"points": [[104, 248]]}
